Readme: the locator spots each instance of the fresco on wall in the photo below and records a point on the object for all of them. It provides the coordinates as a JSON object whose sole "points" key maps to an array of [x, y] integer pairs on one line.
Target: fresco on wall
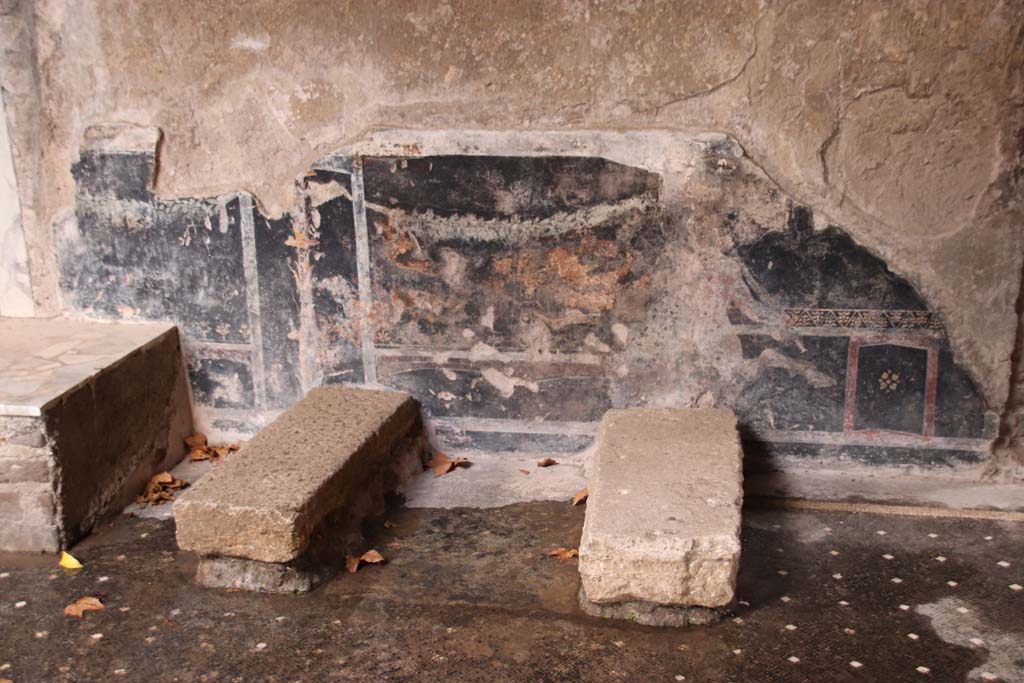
{"points": [[518, 298]]}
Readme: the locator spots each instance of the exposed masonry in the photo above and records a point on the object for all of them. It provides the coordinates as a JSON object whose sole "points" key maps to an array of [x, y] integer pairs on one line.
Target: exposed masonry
{"points": [[520, 285]]}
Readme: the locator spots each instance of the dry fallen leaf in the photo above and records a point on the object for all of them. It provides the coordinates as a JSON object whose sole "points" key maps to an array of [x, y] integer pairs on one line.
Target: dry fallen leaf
{"points": [[442, 464], [546, 462], [160, 489], [580, 497], [68, 561], [197, 440], [564, 554], [370, 557], [82, 605], [212, 452]]}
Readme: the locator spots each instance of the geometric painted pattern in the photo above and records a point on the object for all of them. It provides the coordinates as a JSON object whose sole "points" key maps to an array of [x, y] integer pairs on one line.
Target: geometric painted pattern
{"points": [[861, 319]]}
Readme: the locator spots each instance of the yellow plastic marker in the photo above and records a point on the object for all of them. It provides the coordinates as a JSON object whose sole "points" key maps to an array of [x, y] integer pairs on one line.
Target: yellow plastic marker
{"points": [[68, 561]]}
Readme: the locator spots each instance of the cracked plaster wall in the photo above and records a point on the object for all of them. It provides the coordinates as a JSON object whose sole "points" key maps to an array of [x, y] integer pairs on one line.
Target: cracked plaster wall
{"points": [[901, 121]]}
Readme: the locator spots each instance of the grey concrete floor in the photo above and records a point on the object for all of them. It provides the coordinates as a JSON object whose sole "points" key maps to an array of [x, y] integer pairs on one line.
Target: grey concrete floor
{"points": [[470, 595]]}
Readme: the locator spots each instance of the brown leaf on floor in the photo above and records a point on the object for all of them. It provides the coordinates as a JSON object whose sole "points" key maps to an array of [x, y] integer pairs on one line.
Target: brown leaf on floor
{"points": [[370, 557], [197, 440], [564, 554], [580, 497], [212, 452], [546, 462], [160, 489], [82, 605], [441, 464], [526, 472]]}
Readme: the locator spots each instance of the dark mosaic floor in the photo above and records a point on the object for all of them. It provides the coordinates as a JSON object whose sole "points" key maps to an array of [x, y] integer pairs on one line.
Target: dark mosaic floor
{"points": [[469, 595]]}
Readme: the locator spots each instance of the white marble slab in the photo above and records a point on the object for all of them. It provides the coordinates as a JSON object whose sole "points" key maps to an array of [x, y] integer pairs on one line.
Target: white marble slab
{"points": [[41, 359]]}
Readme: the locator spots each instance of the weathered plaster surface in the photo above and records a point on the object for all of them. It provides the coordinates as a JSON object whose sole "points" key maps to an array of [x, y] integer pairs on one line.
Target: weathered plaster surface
{"points": [[15, 286], [899, 121]]}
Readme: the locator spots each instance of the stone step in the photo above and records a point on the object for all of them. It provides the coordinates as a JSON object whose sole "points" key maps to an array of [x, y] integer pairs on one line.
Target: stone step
{"points": [[89, 411], [662, 526], [333, 456]]}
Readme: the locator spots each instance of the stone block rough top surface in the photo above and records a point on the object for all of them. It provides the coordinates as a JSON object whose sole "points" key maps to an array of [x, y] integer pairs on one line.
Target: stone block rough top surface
{"points": [[663, 516], [263, 502]]}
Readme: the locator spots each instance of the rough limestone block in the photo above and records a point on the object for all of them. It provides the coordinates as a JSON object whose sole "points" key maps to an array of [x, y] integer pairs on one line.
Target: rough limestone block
{"points": [[88, 413], [318, 457], [663, 516]]}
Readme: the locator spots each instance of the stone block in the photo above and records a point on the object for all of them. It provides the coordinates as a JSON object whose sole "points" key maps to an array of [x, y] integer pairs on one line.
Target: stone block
{"points": [[88, 413], [20, 463], [29, 503], [43, 538], [663, 516], [321, 457]]}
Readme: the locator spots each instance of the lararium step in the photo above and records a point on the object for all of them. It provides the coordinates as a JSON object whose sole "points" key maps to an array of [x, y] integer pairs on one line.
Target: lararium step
{"points": [[329, 460], [661, 539]]}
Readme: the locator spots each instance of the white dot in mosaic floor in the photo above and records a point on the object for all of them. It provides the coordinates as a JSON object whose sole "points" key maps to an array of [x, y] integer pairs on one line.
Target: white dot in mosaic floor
{"points": [[794, 660], [977, 642], [736, 652], [881, 532], [261, 646], [828, 529], [896, 579], [783, 572], [785, 598], [988, 676], [988, 538], [962, 610], [103, 579], [52, 577], [680, 677], [833, 553], [855, 664], [904, 607], [738, 620], [121, 558], [4, 575], [887, 556], [790, 627], [1003, 563], [20, 604], [933, 535], [124, 609], [150, 639], [143, 535], [952, 584], [97, 636], [843, 603], [42, 634], [923, 670], [940, 558], [1016, 587], [837, 576], [913, 636], [120, 672], [849, 631]]}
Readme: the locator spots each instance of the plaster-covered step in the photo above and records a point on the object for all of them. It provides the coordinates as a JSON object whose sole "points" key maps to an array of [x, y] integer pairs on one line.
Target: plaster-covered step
{"points": [[89, 411], [661, 539], [321, 466]]}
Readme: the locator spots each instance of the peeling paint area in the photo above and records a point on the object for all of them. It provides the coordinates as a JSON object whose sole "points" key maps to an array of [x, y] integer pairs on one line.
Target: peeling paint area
{"points": [[519, 297]]}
